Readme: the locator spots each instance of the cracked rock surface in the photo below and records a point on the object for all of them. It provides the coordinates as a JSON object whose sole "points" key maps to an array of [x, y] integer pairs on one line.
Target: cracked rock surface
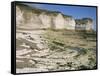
{"points": [[43, 50]]}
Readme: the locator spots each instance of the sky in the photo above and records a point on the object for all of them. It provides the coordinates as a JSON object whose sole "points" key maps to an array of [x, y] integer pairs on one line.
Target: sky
{"points": [[76, 12]]}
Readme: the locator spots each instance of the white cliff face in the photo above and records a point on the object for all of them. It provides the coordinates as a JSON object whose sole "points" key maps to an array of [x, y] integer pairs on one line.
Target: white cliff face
{"points": [[27, 19], [45, 20], [89, 25], [19, 16], [70, 23], [30, 20], [37, 19], [59, 22], [84, 24]]}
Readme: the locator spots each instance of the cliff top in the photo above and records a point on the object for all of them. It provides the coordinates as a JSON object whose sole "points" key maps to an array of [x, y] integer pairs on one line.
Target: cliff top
{"points": [[83, 21], [39, 11]]}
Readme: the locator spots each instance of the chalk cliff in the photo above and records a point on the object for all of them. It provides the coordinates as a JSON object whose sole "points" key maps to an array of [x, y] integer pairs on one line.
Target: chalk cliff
{"points": [[34, 18], [84, 24], [52, 50]]}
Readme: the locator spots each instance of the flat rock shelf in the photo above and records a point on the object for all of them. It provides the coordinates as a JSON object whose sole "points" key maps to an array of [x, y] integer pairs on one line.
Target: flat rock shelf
{"points": [[54, 50]]}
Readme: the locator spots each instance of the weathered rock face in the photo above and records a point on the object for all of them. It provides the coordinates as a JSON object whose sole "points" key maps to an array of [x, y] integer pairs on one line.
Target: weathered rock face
{"points": [[59, 22], [26, 19], [33, 18], [84, 24], [70, 23], [45, 20], [49, 50]]}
